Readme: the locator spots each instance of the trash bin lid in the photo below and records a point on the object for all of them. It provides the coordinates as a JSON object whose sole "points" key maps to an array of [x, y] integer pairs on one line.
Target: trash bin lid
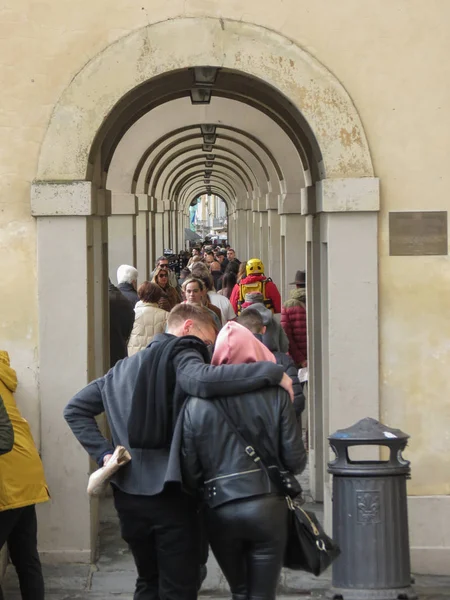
{"points": [[369, 431]]}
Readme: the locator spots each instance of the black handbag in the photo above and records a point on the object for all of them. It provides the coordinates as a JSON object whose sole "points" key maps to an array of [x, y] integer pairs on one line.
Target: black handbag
{"points": [[308, 547]]}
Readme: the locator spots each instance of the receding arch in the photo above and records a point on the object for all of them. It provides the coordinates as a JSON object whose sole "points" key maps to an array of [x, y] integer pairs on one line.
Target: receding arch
{"points": [[236, 186], [197, 177], [188, 154]]}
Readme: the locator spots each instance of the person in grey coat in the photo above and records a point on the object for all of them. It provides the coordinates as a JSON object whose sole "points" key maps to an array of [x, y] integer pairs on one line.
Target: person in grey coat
{"points": [[6, 430], [274, 336], [142, 397]]}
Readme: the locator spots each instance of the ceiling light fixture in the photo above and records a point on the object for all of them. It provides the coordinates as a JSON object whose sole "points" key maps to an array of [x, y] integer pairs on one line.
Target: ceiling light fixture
{"points": [[207, 128], [200, 96], [209, 138], [205, 76]]}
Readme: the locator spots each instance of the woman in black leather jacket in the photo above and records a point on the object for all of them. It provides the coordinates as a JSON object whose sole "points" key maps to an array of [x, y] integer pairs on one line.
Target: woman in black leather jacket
{"points": [[246, 515]]}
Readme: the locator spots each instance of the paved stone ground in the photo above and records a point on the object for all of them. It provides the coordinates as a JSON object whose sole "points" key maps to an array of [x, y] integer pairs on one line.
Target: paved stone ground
{"points": [[113, 576]]}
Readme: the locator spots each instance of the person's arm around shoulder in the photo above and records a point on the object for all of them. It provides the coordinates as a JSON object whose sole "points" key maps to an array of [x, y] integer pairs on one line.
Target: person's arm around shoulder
{"points": [[293, 454], [6, 430], [205, 381], [80, 415]]}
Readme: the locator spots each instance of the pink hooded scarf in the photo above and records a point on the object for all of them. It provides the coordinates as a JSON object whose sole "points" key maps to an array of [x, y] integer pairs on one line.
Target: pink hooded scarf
{"points": [[236, 345]]}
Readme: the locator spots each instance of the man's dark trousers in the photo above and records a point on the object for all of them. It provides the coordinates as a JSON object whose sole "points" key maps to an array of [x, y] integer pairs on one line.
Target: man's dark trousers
{"points": [[18, 527], [163, 535]]}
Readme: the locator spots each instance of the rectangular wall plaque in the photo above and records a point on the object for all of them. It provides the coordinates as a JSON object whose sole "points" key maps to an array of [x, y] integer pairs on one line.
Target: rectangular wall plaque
{"points": [[418, 233]]}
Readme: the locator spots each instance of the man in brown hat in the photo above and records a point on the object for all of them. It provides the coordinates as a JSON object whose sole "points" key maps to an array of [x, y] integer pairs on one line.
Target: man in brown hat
{"points": [[300, 279]]}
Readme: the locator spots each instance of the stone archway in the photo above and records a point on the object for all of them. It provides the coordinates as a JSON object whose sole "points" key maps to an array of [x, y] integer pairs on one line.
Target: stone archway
{"points": [[341, 239], [165, 46]]}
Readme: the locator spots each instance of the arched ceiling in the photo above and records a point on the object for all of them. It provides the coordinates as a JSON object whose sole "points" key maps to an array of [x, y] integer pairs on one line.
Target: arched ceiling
{"points": [[248, 141]]}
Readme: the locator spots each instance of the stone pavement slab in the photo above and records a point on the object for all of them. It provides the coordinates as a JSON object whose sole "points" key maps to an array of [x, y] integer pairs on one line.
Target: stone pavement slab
{"points": [[113, 576]]}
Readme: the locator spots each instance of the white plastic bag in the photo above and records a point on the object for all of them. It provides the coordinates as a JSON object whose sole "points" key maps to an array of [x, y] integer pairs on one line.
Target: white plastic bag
{"points": [[99, 480], [303, 374]]}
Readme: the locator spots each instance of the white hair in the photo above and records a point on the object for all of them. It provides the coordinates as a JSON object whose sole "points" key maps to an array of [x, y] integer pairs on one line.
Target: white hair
{"points": [[126, 274]]}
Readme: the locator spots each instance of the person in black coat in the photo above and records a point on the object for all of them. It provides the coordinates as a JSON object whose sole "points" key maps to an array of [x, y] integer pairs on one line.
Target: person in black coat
{"points": [[121, 321], [253, 320], [246, 514], [127, 283]]}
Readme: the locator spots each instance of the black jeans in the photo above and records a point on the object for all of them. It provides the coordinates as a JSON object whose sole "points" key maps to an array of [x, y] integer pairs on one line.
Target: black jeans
{"points": [[248, 538], [18, 528], [163, 535]]}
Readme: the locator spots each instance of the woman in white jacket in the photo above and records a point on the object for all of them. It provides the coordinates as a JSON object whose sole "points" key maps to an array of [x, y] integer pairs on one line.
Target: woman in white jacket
{"points": [[149, 319]]}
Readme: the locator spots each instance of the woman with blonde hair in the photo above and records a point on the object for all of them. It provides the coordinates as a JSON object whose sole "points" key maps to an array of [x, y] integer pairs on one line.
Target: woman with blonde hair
{"points": [[149, 319], [169, 297]]}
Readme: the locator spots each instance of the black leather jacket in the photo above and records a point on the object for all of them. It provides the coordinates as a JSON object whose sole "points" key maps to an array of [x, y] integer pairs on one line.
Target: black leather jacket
{"points": [[214, 459]]}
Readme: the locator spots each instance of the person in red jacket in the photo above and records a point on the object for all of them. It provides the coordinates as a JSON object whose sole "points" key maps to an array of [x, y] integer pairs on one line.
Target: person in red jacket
{"points": [[293, 321], [256, 281]]}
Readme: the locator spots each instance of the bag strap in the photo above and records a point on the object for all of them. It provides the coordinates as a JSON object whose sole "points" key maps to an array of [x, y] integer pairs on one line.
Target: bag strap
{"points": [[248, 448]]}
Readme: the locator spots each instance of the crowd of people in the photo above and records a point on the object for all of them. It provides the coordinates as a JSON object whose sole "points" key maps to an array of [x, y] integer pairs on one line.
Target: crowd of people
{"points": [[212, 277], [196, 353]]}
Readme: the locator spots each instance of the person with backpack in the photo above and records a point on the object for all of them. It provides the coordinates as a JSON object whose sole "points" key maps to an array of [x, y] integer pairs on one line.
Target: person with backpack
{"points": [[256, 281]]}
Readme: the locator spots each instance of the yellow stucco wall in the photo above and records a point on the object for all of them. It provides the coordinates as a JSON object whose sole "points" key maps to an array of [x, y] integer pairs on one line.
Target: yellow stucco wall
{"points": [[390, 57]]}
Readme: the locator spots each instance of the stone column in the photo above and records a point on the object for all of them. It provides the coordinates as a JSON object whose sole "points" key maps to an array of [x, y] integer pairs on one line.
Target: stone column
{"points": [[264, 237], [143, 237], [174, 226], [349, 306], [248, 236], [232, 227], [72, 288], [241, 242], [314, 315], [152, 234], [159, 230], [255, 236], [166, 225], [274, 237], [122, 232], [293, 239]]}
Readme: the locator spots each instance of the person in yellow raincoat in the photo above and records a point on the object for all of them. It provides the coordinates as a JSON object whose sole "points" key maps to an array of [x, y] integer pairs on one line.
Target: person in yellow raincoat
{"points": [[22, 486]]}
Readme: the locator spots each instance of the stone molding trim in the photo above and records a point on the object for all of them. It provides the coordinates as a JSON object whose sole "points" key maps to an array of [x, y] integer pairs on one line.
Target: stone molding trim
{"points": [[52, 199], [156, 49], [124, 204], [347, 195]]}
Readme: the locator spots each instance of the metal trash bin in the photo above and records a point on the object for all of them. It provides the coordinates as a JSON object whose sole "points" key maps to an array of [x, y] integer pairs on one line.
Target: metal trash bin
{"points": [[370, 518]]}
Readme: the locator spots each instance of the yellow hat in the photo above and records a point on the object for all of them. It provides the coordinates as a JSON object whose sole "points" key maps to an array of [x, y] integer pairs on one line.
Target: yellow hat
{"points": [[254, 267]]}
